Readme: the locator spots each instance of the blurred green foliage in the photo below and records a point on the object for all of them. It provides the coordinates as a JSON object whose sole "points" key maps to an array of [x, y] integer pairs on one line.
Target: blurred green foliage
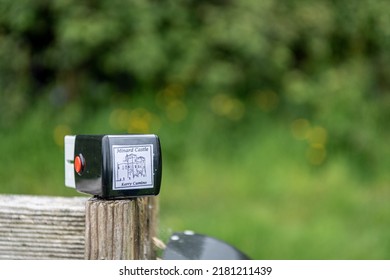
{"points": [[320, 60], [273, 115]]}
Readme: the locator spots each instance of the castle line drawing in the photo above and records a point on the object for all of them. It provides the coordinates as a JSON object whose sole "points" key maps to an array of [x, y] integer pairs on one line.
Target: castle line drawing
{"points": [[132, 166]]}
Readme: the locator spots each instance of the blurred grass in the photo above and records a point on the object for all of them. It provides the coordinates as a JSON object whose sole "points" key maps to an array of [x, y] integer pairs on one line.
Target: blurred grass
{"points": [[253, 185], [270, 203]]}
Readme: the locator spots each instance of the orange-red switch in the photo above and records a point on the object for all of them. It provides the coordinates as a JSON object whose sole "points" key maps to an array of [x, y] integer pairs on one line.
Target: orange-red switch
{"points": [[79, 164]]}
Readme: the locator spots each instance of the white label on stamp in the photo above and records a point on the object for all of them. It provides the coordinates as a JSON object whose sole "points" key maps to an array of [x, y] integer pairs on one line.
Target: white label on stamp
{"points": [[132, 166]]}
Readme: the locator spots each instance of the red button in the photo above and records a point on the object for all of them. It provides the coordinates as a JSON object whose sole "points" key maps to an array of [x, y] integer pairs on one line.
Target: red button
{"points": [[79, 164]]}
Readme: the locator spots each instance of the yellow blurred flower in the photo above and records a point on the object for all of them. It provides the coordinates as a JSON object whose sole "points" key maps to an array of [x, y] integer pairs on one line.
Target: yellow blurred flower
{"points": [[317, 136], [138, 120], [300, 128], [227, 106]]}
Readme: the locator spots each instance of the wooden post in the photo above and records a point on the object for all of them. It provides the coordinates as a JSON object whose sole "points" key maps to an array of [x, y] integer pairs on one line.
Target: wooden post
{"points": [[43, 227], [120, 229]]}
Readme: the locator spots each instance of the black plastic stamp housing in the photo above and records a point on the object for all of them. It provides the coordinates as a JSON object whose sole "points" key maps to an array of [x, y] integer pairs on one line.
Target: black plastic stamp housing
{"points": [[118, 166]]}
